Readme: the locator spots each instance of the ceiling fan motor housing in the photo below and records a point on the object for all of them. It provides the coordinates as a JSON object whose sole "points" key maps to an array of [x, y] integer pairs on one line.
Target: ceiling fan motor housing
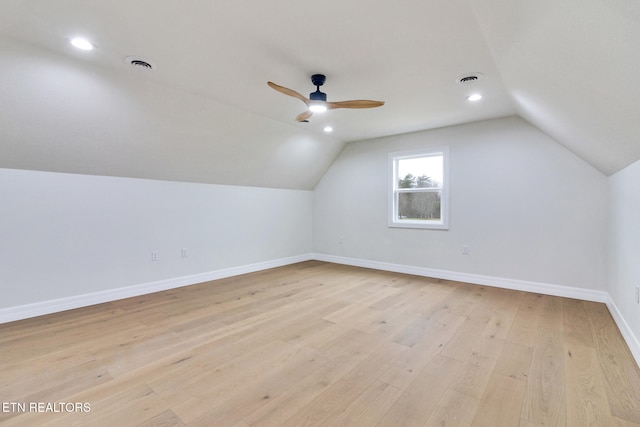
{"points": [[318, 80], [318, 96]]}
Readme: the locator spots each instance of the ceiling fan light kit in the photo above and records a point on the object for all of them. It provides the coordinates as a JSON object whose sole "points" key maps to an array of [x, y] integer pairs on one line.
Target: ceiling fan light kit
{"points": [[317, 101], [317, 107]]}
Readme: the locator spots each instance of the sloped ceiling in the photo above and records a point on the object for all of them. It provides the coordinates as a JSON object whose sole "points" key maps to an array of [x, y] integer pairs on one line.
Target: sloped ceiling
{"points": [[570, 68], [205, 113]]}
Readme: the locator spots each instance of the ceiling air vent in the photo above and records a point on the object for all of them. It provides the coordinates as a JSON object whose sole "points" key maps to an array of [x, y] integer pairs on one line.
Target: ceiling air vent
{"points": [[137, 62], [469, 78]]}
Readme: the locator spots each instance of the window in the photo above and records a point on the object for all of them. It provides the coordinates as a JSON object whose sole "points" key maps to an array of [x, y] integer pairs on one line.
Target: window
{"points": [[419, 184]]}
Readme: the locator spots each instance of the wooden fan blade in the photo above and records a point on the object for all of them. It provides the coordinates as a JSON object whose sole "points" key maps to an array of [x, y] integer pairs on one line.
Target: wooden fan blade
{"points": [[302, 117], [289, 92], [361, 103]]}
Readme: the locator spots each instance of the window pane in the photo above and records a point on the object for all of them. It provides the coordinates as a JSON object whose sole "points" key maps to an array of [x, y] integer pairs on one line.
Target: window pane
{"points": [[420, 172], [419, 206], [418, 189]]}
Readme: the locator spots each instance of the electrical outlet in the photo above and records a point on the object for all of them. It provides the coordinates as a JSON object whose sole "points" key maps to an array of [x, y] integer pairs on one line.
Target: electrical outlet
{"points": [[637, 294], [154, 255], [465, 249], [184, 252]]}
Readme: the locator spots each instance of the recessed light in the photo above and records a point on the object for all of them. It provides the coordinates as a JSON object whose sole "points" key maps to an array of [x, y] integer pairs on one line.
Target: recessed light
{"points": [[82, 43], [328, 129], [474, 97]]}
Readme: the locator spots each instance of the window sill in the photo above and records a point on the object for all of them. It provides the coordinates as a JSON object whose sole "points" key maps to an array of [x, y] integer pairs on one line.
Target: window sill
{"points": [[435, 225]]}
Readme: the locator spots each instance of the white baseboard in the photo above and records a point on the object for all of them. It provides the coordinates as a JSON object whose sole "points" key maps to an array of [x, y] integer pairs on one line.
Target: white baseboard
{"points": [[54, 306], [476, 279], [499, 282], [625, 330]]}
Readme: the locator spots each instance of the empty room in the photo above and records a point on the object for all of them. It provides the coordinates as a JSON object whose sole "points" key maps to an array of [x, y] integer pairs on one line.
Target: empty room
{"points": [[339, 213]]}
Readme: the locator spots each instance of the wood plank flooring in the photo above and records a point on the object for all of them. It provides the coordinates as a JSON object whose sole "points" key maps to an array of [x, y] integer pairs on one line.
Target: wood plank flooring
{"points": [[318, 344]]}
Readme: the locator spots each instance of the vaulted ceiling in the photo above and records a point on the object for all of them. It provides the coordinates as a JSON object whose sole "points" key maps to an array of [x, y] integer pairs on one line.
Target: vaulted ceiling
{"points": [[204, 113]]}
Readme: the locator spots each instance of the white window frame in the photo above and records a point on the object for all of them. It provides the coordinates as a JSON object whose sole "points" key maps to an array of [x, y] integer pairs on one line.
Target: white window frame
{"points": [[394, 158]]}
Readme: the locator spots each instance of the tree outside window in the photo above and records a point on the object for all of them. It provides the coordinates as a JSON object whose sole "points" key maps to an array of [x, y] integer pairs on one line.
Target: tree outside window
{"points": [[418, 196]]}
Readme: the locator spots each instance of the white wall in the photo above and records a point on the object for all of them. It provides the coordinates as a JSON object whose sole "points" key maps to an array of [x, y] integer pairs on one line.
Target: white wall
{"points": [[64, 235], [624, 250], [529, 209]]}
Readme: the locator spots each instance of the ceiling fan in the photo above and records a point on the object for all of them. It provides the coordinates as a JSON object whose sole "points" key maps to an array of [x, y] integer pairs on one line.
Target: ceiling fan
{"points": [[317, 101]]}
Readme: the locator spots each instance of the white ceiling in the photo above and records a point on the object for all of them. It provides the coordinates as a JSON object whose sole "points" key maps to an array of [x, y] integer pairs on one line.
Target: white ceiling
{"points": [[205, 113]]}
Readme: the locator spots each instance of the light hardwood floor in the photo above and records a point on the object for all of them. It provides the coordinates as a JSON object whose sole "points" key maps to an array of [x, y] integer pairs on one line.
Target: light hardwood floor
{"points": [[317, 344]]}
